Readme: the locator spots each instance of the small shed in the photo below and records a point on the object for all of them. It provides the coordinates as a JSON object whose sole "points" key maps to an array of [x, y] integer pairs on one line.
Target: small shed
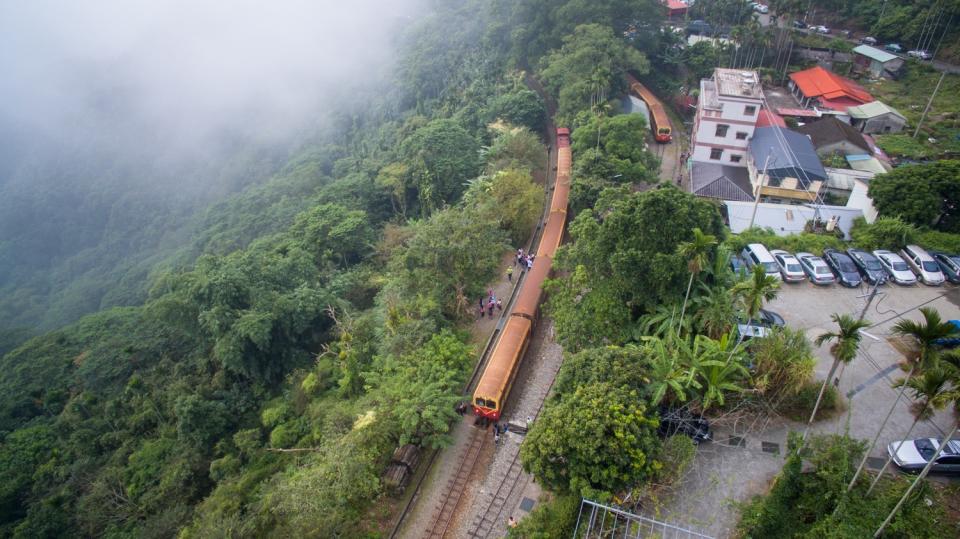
{"points": [[720, 182], [876, 62], [876, 117]]}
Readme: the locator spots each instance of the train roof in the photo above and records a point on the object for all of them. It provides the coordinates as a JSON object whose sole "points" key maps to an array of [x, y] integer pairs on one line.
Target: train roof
{"points": [[506, 354]]}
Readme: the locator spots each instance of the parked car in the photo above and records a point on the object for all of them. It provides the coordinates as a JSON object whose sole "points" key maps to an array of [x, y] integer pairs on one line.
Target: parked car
{"points": [[738, 265], [893, 47], [761, 326], [919, 54], [868, 265], [896, 268], [756, 254], [800, 25], [770, 319], [820, 29], [926, 268], [790, 269], [816, 269], [843, 267], [949, 265], [760, 8], [915, 454], [868, 40], [683, 421], [699, 27], [952, 341]]}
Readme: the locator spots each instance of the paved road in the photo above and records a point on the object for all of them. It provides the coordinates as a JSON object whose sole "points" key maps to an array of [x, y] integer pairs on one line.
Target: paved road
{"points": [[732, 470], [939, 65]]}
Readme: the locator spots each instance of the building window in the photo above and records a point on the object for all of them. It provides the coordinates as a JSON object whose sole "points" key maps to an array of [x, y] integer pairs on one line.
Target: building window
{"points": [[749, 110], [735, 158], [741, 135], [716, 153], [722, 130]]}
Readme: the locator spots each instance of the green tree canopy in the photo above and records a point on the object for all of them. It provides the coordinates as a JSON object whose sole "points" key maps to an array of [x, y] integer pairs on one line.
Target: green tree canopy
{"points": [[593, 442], [441, 157], [925, 195], [625, 264], [589, 66]]}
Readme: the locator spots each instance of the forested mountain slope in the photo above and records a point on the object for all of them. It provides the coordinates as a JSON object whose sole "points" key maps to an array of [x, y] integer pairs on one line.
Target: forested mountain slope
{"points": [[322, 312]]}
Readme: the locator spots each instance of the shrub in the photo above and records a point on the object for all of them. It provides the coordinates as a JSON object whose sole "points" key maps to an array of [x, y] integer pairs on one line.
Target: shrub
{"points": [[804, 242], [799, 406], [783, 364], [676, 455], [555, 518], [885, 233], [933, 240]]}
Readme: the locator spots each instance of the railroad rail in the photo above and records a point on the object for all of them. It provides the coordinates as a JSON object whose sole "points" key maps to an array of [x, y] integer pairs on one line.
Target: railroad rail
{"points": [[444, 514], [447, 513]]}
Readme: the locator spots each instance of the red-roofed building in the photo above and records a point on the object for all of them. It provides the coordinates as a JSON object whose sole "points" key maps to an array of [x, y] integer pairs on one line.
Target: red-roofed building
{"points": [[819, 86], [675, 8], [768, 118]]}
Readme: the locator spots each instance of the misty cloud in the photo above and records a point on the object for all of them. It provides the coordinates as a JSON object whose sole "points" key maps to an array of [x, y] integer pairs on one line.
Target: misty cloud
{"points": [[174, 72]]}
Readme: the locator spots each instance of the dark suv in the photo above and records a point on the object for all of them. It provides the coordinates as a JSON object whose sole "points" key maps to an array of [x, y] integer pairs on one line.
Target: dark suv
{"points": [[868, 265], [843, 267]]}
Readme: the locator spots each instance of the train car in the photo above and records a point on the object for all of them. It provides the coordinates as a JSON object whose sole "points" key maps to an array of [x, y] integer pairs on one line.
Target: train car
{"points": [[498, 376], [660, 123]]}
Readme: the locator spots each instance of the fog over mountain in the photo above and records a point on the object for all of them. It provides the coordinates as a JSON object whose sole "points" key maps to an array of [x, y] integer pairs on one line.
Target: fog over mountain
{"points": [[120, 119], [177, 71]]}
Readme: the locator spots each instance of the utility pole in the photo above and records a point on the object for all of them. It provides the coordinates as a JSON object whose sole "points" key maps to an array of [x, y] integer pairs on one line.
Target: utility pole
{"points": [[929, 102], [763, 179]]}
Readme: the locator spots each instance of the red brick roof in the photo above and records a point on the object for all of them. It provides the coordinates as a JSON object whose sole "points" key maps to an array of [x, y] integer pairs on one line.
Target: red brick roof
{"points": [[829, 87]]}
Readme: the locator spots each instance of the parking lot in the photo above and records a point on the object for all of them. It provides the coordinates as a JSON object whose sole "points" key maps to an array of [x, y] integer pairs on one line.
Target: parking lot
{"points": [[747, 451]]}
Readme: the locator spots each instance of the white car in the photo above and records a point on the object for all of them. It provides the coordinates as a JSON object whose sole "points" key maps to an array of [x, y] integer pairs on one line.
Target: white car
{"points": [[816, 269], [821, 29], [915, 454], [896, 268], [760, 8], [790, 267], [926, 268], [919, 54]]}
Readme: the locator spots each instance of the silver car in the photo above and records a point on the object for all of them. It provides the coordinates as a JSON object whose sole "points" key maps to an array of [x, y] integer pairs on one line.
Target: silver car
{"points": [[914, 455], [816, 269], [790, 267], [896, 267]]}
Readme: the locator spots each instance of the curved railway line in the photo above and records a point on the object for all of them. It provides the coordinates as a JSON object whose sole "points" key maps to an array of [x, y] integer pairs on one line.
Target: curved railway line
{"points": [[443, 516]]}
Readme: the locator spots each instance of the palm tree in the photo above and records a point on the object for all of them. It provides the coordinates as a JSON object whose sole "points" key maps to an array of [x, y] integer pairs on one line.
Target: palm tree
{"points": [[925, 335], [697, 253], [715, 310], [756, 290], [844, 351], [667, 376], [717, 375], [931, 391]]}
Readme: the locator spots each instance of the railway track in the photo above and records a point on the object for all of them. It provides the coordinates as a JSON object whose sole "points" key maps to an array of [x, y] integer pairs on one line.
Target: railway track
{"points": [[486, 522], [443, 515]]}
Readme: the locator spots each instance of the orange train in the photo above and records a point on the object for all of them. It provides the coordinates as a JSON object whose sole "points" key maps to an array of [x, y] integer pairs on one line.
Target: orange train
{"points": [[497, 379], [659, 122]]}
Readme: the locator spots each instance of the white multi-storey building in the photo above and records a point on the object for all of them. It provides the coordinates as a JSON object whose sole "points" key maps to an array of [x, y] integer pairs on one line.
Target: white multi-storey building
{"points": [[730, 103]]}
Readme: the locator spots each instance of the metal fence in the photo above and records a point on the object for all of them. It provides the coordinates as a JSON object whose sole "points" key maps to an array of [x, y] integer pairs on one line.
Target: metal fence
{"points": [[600, 521]]}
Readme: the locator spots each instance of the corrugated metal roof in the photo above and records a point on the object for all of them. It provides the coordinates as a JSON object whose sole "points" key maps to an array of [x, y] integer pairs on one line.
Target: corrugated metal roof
{"points": [[865, 163], [875, 54], [819, 82], [872, 110], [830, 130], [788, 151]]}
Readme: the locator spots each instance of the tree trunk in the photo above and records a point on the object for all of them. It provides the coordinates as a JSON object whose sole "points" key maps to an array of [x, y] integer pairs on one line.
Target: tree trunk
{"points": [[684, 309], [926, 470], [823, 389], [863, 461], [895, 451]]}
